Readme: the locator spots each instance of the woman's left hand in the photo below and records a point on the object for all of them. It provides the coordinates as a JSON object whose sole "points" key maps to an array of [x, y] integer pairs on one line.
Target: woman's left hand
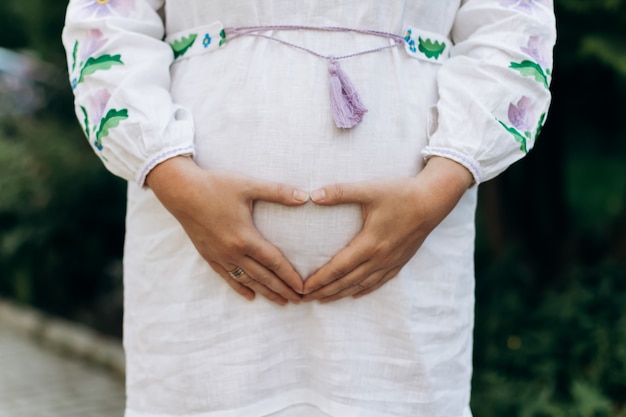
{"points": [[398, 215]]}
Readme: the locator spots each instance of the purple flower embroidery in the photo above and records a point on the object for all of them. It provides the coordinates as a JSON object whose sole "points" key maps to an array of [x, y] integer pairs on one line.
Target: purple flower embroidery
{"points": [[523, 129], [525, 5], [520, 114], [102, 8], [98, 119], [97, 104], [536, 48], [92, 43]]}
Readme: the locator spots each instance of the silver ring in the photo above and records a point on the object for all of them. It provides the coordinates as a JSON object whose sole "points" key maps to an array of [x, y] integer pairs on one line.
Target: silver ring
{"points": [[236, 273]]}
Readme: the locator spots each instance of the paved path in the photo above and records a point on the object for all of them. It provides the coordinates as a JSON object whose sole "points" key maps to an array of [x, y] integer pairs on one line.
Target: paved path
{"points": [[35, 382]]}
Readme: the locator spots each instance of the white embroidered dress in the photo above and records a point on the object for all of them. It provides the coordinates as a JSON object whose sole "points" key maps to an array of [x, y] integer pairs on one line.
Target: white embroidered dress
{"points": [[195, 347]]}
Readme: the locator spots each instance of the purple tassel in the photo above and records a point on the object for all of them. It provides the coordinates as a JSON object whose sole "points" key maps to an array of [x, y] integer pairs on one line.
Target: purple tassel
{"points": [[347, 109]]}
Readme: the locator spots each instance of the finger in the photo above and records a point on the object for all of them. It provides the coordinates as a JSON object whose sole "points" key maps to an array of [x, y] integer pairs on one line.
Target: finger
{"points": [[271, 258], [262, 280], [266, 292], [238, 287], [388, 276], [344, 262], [276, 192], [344, 193], [361, 286], [353, 278], [245, 286], [246, 281]]}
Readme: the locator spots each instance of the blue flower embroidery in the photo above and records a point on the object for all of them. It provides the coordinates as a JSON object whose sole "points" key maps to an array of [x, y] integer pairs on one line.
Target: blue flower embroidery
{"points": [[206, 41], [410, 41]]}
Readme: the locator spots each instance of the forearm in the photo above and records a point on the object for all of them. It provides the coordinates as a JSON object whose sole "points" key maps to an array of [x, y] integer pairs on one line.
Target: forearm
{"points": [[172, 180], [445, 182]]}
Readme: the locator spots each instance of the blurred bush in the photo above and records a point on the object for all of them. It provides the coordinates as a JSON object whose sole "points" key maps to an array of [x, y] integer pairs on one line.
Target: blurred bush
{"points": [[61, 213], [61, 224], [558, 352]]}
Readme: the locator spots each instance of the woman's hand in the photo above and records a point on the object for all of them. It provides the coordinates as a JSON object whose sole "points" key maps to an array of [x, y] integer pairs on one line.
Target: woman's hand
{"points": [[398, 216], [215, 209]]}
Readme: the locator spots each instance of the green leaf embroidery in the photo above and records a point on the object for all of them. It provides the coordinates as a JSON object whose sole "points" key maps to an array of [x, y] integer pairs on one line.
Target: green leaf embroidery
{"points": [[431, 49], [531, 69], [542, 119], [222, 37], [103, 62], [181, 46], [111, 120], [519, 138], [74, 54], [86, 120]]}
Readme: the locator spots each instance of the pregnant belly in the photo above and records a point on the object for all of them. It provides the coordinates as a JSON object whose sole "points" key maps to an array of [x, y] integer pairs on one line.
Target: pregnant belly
{"points": [[307, 235], [268, 126]]}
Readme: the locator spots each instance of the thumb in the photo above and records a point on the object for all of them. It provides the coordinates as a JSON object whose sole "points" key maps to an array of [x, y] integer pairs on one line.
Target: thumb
{"points": [[342, 193], [278, 193]]}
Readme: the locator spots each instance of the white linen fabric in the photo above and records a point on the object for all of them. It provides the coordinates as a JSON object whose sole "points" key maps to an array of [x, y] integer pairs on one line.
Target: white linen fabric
{"points": [[196, 348]]}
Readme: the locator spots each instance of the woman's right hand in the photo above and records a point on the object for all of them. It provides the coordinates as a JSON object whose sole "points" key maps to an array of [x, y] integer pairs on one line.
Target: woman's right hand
{"points": [[215, 209]]}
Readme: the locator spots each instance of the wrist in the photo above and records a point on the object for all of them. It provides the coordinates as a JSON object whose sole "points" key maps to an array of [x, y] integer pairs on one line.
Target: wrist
{"points": [[171, 179], [445, 181], [169, 170]]}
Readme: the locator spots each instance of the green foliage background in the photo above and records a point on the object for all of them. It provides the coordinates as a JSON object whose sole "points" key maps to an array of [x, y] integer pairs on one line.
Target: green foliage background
{"points": [[550, 337]]}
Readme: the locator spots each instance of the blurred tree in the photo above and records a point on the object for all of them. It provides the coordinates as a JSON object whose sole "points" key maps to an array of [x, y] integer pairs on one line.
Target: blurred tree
{"points": [[13, 32]]}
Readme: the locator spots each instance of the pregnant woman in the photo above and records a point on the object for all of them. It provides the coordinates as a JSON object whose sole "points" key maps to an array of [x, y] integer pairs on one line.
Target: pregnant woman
{"points": [[302, 186]]}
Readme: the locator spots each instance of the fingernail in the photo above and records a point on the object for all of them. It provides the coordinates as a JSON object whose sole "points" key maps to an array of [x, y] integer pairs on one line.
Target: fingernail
{"points": [[300, 196], [318, 195]]}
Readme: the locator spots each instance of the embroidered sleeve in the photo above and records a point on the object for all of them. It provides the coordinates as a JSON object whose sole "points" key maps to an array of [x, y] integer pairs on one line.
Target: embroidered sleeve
{"points": [[119, 71], [493, 91]]}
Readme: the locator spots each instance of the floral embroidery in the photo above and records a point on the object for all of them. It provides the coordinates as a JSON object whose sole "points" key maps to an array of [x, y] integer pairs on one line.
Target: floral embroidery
{"points": [[182, 45], [432, 49], [523, 127], [540, 123], [535, 48], [97, 121], [93, 42], [206, 41], [103, 62], [197, 41], [84, 64], [519, 114], [536, 68], [102, 8], [111, 120], [528, 6], [531, 69], [409, 41], [96, 104]]}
